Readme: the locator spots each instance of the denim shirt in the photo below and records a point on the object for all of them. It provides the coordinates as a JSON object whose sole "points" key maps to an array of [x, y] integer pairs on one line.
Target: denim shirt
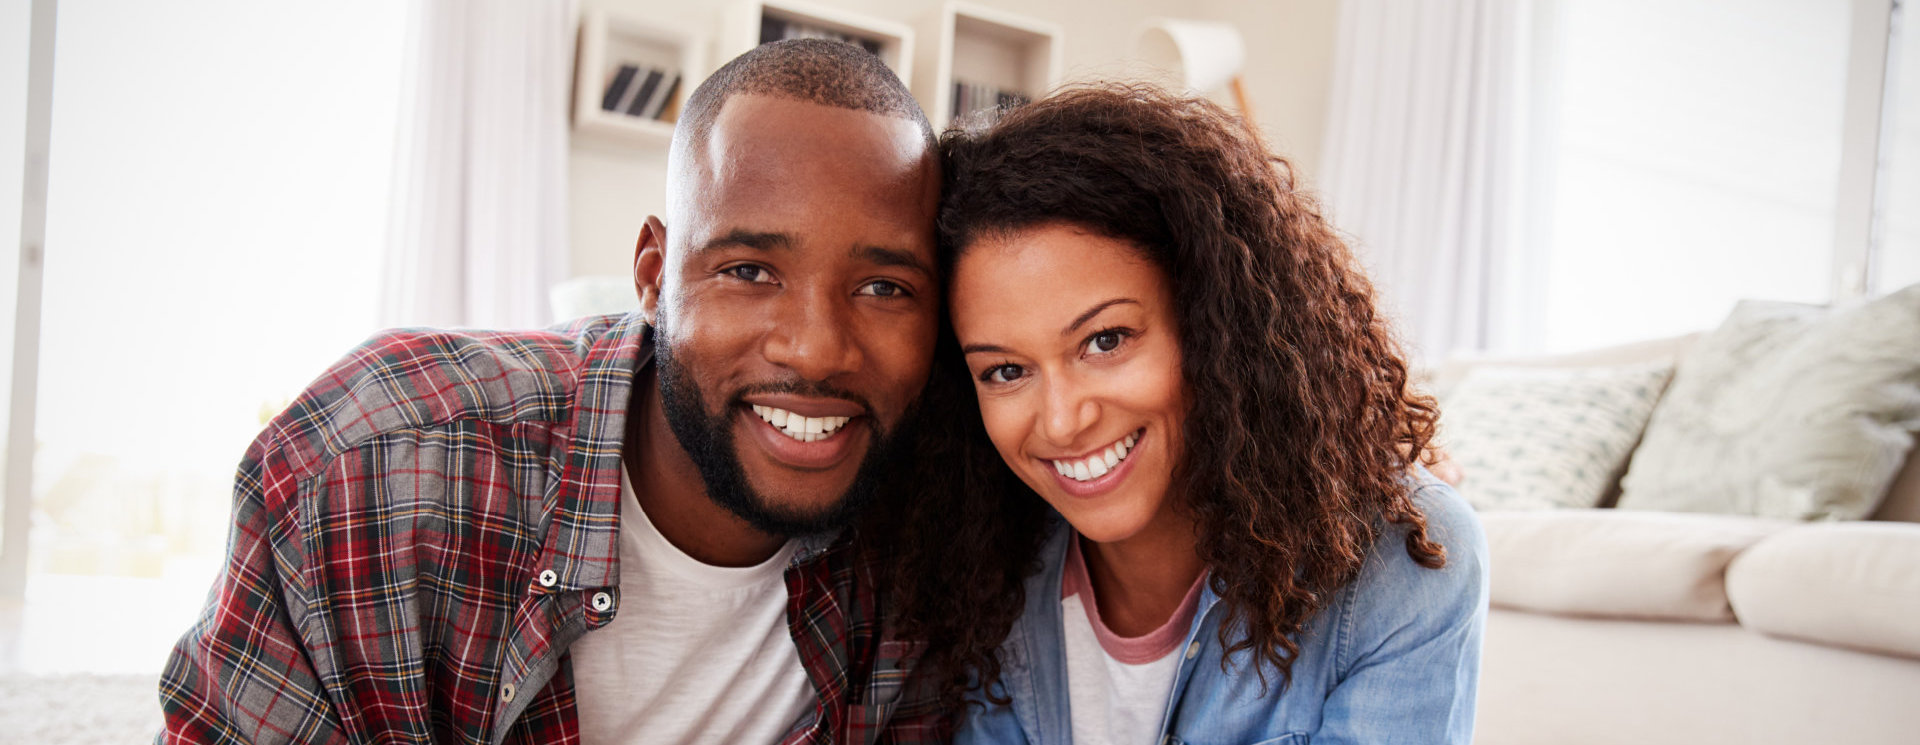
{"points": [[1394, 657]]}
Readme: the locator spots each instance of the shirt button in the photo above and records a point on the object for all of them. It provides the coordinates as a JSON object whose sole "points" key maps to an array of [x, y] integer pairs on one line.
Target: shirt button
{"points": [[506, 693], [602, 602], [548, 578], [1193, 649]]}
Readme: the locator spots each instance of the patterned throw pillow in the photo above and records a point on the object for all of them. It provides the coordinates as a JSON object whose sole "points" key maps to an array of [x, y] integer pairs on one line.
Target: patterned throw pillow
{"points": [[1787, 411], [1544, 437]]}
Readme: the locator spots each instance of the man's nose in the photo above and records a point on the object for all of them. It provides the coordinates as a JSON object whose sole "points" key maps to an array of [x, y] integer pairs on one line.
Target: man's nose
{"points": [[813, 335]]}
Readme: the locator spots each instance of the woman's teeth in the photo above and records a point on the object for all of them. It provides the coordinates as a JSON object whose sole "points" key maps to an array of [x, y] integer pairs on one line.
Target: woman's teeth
{"points": [[1097, 465], [802, 428]]}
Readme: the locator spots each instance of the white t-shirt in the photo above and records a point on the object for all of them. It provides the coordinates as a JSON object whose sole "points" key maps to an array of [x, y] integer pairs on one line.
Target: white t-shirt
{"points": [[1117, 687], [694, 653]]}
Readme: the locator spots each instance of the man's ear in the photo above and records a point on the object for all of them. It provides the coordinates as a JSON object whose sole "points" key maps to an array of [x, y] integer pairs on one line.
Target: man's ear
{"points": [[649, 261]]}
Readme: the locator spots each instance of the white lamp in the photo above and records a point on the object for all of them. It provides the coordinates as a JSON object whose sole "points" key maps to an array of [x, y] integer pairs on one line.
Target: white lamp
{"points": [[1203, 55]]}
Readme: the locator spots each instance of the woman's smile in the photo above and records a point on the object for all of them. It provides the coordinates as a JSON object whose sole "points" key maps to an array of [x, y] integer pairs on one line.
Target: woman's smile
{"points": [[1098, 473], [1099, 463]]}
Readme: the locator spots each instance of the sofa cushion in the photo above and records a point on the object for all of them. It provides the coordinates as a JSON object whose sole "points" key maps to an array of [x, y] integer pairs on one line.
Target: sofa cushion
{"points": [[1556, 680], [1641, 565], [1847, 584], [1537, 437], [1788, 411]]}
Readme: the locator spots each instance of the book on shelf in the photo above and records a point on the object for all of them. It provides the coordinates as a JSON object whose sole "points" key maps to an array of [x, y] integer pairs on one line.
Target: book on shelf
{"points": [[779, 29], [636, 103], [970, 98], [610, 101], [671, 112], [656, 110], [642, 93]]}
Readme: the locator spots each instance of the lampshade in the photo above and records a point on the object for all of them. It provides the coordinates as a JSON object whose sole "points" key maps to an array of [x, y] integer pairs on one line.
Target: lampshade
{"points": [[1204, 55]]}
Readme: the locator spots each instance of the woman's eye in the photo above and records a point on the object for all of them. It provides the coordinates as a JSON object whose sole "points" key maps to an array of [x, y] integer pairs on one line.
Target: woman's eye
{"points": [[749, 273], [882, 288], [1104, 342], [1003, 374]]}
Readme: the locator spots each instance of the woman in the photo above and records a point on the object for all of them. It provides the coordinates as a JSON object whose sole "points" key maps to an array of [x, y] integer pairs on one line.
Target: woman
{"points": [[1202, 521]]}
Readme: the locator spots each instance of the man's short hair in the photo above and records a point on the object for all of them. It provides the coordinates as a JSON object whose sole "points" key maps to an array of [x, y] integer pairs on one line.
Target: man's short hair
{"points": [[830, 73]]}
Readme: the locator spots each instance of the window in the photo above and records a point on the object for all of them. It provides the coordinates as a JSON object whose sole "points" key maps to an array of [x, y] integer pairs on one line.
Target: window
{"points": [[216, 214], [15, 19], [1897, 264], [1696, 153]]}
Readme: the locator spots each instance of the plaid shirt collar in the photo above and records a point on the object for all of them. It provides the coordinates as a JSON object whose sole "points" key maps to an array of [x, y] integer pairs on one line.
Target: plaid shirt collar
{"points": [[582, 545]]}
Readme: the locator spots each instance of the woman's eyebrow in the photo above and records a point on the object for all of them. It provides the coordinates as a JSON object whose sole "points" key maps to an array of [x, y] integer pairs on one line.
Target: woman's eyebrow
{"points": [[993, 348], [1077, 323], [1094, 311]]}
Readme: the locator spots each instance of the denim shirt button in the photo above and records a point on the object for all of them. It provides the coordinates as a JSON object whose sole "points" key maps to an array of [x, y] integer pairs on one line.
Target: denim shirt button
{"points": [[1193, 649]]}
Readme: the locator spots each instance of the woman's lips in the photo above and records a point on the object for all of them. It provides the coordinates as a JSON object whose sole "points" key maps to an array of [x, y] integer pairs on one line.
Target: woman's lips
{"points": [[1096, 485]]}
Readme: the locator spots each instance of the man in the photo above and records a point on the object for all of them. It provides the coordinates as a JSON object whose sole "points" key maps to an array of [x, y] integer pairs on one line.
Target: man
{"points": [[438, 542]]}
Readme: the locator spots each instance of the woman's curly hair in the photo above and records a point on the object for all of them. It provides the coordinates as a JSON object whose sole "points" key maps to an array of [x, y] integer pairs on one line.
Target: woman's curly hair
{"points": [[1302, 425]]}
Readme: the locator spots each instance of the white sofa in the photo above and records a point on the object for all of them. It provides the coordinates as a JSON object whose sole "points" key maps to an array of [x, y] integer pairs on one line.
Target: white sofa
{"points": [[1614, 626]]}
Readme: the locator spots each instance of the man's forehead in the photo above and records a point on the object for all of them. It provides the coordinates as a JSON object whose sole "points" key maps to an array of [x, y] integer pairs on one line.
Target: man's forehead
{"points": [[810, 174], [769, 131]]}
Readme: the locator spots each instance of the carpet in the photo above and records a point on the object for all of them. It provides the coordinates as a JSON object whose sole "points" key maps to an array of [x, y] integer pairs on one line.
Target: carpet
{"points": [[79, 709]]}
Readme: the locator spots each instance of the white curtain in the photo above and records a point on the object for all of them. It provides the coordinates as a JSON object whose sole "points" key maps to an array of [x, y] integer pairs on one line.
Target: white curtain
{"points": [[478, 228], [1425, 161]]}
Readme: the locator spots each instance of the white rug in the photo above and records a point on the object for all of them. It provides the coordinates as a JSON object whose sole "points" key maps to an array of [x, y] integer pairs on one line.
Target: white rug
{"points": [[79, 709]]}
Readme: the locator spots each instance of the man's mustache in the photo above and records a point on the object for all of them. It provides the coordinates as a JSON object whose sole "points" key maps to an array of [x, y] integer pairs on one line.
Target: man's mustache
{"points": [[800, 387]]}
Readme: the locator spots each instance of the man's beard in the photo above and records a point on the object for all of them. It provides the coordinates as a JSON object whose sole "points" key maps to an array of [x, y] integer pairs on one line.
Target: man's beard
{"points": [[708, 439]]}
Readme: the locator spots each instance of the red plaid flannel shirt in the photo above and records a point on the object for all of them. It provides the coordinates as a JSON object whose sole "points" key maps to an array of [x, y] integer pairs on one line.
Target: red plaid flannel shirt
{"points": [[387, 578]]}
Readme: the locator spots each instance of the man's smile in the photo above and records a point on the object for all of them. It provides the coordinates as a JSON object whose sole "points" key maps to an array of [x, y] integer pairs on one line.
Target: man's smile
{"points": [[802, 428], [807, 434]]}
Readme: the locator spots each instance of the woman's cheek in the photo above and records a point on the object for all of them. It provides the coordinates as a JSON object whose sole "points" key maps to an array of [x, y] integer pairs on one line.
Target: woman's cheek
{"points": [[1000, 416]]}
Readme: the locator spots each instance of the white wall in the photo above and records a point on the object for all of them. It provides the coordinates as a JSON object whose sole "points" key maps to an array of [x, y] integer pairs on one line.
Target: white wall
{"points": [[1290, 53]]}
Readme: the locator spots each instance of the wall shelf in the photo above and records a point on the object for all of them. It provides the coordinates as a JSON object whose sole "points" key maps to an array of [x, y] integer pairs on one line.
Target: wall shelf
{"points": [[631, 76], [986, 51], [749, 24]]}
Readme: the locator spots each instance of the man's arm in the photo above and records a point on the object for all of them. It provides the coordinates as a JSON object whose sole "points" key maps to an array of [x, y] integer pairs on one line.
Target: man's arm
{"points": [[242, 673]]}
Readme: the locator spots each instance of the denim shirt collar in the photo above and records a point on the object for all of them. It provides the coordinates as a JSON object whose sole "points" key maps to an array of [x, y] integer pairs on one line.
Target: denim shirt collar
{"points": [[1036, 671]]}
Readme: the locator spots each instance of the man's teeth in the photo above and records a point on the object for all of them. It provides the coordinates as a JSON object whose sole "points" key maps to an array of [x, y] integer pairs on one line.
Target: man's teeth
{"points": [[802, 428], [1097, 465]]}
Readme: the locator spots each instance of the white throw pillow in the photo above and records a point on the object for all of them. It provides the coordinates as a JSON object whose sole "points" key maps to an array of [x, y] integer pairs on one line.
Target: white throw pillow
{"points": [[1788, 411], [1535, 438]]}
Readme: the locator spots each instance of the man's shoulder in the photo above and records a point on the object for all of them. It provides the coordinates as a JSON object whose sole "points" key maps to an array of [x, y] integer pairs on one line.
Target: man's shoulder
{"points": [[422, 378]]}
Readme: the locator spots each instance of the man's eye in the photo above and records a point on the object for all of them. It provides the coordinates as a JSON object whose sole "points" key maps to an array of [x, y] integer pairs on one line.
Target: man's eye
{"points": [[1105, 341], [882, 288], [1003, 374], [749, 273]]}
